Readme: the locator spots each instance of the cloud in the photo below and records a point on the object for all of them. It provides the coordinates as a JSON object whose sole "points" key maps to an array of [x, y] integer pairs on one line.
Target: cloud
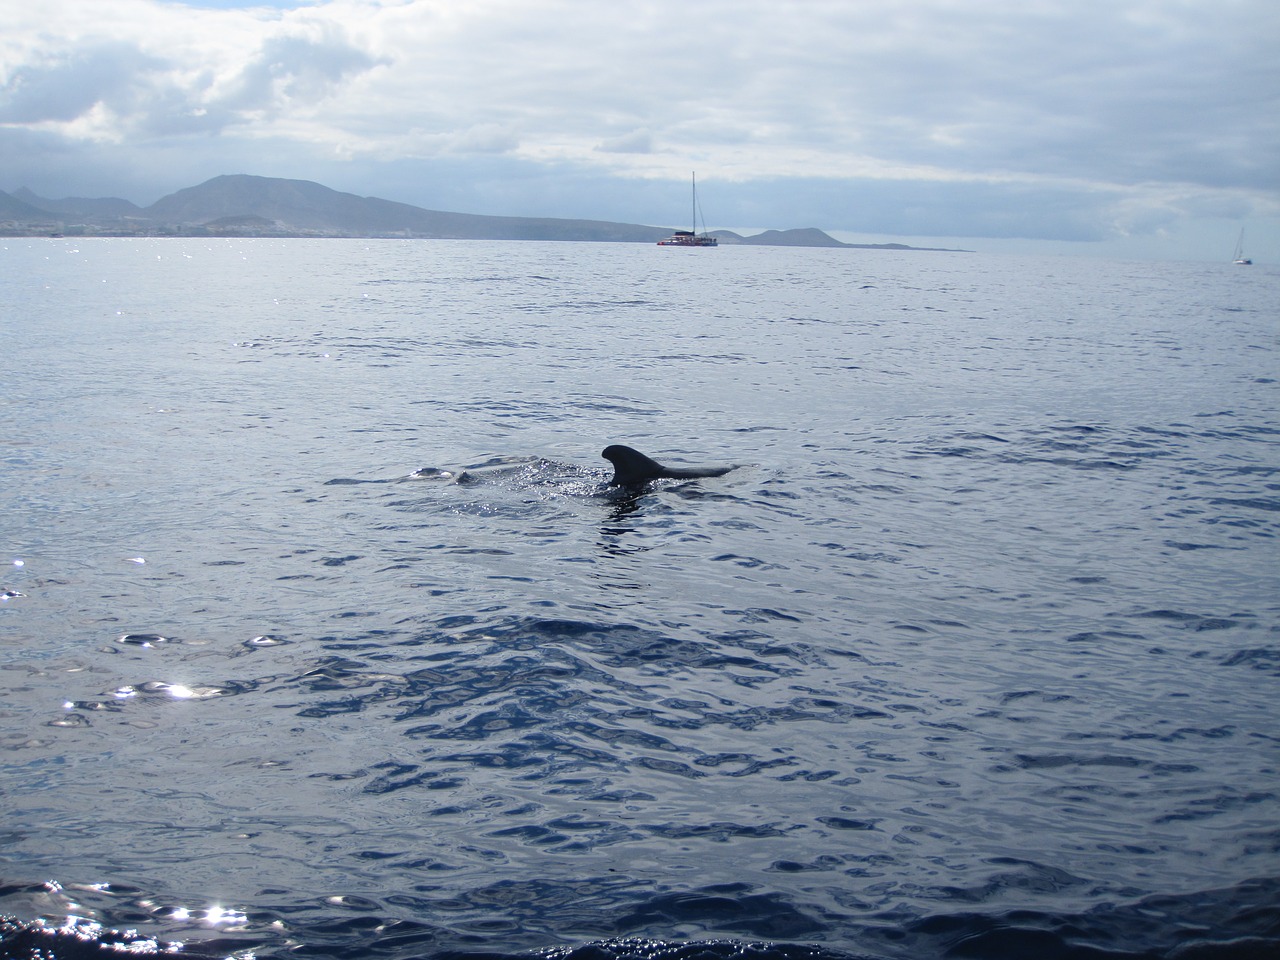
{"points": [[161, 76], [69, 83], [638, 141], [292, 71]]}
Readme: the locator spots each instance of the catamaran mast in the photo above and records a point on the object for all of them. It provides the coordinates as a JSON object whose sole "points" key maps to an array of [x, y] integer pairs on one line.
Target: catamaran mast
{"points": [[693, 179]]}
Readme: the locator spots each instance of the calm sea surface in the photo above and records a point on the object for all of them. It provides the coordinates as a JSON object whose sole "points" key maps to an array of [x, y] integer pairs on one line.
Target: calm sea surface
{"points": [[321, 636]]}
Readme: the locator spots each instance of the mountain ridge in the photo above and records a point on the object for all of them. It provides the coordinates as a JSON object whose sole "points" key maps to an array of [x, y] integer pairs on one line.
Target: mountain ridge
{"points": [[248, 205]]}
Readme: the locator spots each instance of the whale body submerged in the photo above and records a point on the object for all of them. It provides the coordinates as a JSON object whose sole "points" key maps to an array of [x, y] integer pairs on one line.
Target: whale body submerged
{"points": [[631, 467]]}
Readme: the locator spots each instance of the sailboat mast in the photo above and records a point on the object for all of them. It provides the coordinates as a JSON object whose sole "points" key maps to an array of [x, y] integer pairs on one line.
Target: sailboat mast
{"points": [[693, 180]]}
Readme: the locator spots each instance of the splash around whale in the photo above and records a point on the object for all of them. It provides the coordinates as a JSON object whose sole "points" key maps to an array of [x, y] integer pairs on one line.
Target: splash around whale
{"points": [[631, 468]]}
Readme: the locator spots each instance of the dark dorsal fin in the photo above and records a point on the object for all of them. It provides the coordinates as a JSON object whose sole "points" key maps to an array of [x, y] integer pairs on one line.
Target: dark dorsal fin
{"points": [[631, 467]]}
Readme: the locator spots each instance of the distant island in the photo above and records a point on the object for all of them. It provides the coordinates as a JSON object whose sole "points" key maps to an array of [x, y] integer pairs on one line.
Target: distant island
{"points": [[240, 205]]}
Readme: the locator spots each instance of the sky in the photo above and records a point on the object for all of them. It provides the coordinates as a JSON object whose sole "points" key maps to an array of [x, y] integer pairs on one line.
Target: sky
{"points": [[1142, 128]]}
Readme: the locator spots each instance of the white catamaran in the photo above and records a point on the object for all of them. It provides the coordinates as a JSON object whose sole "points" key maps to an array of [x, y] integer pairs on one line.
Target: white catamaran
{"points": [[691, 238]]}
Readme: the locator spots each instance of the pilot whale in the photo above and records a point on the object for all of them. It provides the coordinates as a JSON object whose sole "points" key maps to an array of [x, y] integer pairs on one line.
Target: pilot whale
{"points": [[631, 467]]}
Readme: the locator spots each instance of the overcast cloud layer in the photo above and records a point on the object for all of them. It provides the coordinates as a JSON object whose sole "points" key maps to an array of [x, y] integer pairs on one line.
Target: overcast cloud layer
{"points": [[1045, 119]]}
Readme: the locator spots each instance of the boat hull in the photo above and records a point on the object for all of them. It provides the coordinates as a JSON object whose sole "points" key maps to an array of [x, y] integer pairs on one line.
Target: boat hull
{"points": [[687, 239]]}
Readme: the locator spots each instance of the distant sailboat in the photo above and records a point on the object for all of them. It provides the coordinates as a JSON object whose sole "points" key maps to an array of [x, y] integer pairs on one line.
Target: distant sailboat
{"points": [[1239, 257], [691, 238]]}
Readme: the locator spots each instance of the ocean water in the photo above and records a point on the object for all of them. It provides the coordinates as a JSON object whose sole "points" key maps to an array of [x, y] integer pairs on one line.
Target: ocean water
{"points": [[323, 637]]}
